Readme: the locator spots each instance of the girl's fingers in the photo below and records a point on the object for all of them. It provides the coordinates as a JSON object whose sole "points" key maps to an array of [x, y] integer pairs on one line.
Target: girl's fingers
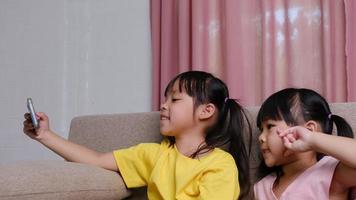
{"points": [[287, 143], [27, 123], [29, 129], [27, 116], [279, 132], [291, 138], [42, 116], [285, 132]]}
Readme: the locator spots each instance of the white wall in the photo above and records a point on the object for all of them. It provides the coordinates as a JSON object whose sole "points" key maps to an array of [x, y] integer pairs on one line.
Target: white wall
{"points": [[73, 57]]}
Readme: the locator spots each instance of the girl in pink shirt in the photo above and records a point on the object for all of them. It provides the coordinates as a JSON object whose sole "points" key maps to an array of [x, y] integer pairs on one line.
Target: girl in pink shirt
{"points": [[302, 159]]}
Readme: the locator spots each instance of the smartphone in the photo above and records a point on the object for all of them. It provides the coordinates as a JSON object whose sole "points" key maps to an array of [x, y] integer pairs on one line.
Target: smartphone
{"points": [[32, 111]]}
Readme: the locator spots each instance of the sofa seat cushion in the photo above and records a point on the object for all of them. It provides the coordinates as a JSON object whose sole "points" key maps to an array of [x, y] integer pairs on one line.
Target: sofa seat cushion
{"points": [[59, 180]]}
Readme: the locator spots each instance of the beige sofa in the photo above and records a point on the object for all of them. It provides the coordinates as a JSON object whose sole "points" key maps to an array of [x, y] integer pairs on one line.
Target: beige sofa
{"points": [[65, 180]]}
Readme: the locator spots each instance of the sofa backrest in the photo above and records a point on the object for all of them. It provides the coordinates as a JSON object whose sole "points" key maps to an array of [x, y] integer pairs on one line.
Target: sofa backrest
{"points": [[105, 133], [114, 131]]}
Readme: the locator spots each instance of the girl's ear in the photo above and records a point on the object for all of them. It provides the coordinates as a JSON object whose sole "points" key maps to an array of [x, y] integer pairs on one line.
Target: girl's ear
{"points": [[206, 111], [312, 125]]}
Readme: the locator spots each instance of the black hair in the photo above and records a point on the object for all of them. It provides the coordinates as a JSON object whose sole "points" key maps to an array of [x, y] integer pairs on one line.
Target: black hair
{"points": [[231, 127], [296, 106]]}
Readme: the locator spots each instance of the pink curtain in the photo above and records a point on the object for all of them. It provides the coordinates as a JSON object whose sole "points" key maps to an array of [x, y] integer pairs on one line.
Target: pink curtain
{"points": [[351, 48], [257, 47]]}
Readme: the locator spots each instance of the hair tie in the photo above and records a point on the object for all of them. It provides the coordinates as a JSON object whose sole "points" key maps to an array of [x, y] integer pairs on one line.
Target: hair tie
{"points": [[329, 116], [226, 99]]}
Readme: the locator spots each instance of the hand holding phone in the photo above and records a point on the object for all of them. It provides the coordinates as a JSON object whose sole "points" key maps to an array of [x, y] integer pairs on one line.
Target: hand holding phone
{"points": [[32, 111]]}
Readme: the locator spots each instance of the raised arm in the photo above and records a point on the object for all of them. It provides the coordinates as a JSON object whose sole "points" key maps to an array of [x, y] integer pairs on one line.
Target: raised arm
{"points": [[342, 148], [301, 139], [64, 148]]}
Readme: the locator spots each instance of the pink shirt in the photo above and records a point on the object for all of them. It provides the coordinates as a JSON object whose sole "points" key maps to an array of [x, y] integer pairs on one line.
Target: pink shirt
{"points": [[313, 183]]}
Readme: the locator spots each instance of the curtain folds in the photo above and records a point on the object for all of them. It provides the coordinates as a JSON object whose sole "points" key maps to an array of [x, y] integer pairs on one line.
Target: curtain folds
{"points": [[351, 48], [257, 47]]}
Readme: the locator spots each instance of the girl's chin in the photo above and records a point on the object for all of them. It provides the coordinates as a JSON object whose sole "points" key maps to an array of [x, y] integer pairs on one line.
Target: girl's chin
{"points": [[166, 133], [269, 164]]}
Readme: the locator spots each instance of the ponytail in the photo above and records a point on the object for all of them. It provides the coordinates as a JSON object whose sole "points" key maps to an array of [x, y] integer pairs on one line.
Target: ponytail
{"points": [[342, 127], [230, 132], [236, 125]]}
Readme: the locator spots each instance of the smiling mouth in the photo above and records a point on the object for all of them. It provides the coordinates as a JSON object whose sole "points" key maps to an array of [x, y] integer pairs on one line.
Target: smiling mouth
{"points": [[264, 151], [164, 117]]}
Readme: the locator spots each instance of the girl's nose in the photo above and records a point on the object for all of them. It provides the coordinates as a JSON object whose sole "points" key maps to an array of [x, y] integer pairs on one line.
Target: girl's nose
{"points": [[262, 138], [163, 107]]}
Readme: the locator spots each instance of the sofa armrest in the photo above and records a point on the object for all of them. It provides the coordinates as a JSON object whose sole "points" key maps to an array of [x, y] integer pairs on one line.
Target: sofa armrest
{"points": [[59, 180]]}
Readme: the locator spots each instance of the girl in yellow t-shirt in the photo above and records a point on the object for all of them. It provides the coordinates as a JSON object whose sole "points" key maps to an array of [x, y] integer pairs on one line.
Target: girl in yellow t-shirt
{"points": [[198, 118]]}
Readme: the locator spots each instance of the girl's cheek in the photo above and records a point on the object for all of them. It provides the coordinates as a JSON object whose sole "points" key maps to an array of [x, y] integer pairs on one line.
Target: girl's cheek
{"points": [[277, 143]]}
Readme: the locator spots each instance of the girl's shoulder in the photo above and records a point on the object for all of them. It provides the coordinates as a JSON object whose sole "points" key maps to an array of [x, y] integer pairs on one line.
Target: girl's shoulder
{"points": [[265, 182], [219, 159], [328, 160], [223, 155], [263, 188]]}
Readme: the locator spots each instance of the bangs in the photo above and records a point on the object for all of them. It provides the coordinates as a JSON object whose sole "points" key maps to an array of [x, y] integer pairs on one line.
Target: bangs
{"points": [[269, 110], [280, 107], [189, 83]]}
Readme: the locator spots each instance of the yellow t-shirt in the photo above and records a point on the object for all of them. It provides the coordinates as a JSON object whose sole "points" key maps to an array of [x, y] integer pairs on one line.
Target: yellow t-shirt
{"points": [[170, 175]]}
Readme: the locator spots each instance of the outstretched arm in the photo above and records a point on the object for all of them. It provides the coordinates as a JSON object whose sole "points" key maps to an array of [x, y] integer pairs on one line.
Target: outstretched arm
{"points": [[64, 148]]}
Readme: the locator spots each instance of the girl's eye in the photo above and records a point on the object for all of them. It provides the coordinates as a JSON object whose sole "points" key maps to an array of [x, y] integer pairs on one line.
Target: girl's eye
{"points": [[269, 126]]}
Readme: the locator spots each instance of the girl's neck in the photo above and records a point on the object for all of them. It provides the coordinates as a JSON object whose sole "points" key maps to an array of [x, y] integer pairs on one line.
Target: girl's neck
{"points": [[302, 162], [189, 143]]}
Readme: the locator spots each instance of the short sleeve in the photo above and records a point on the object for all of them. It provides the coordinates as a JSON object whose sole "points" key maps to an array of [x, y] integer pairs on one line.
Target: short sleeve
{"points": [[136, 163], [221, 182]]}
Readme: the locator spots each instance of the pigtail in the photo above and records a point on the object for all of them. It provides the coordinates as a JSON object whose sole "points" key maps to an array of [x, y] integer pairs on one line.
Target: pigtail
{"points": [[342, 127], [238, 127]]}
